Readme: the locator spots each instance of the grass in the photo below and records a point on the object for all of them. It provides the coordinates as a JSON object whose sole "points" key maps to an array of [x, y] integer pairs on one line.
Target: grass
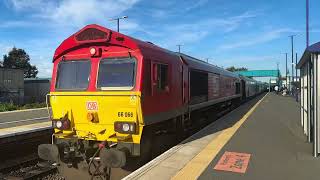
{"points": [[12, 107]]}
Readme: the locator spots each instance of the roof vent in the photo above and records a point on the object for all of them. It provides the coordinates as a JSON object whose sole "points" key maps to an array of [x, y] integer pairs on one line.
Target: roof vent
{"points": [[92, 34]]}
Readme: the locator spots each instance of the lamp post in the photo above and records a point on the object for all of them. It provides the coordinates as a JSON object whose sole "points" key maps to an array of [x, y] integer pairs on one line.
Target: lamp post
{"points": [[118, 21], [292, 59]]}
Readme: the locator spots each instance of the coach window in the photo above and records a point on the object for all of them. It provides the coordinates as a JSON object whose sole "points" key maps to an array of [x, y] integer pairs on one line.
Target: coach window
{"points": [[237, 87], [162, 77]]}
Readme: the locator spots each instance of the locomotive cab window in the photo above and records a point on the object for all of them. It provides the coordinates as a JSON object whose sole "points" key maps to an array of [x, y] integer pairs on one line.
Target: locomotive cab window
{"points": [[73, 75], [161, 76], [116, 74]]}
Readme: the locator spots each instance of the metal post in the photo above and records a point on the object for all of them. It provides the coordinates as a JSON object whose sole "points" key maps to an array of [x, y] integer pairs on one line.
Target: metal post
{"points": [[118, 21], [307, 23], [296, 67], [287, 71], [270, 85], [179, 47], [291, 61], [315, 104]]}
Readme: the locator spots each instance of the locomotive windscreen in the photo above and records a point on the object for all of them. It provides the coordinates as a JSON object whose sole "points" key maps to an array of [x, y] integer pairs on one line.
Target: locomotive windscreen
{"points": [[73, 75], [116, 73]]}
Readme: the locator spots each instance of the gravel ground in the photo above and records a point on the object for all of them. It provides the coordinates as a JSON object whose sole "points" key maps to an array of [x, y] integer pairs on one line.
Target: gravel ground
{"points": [[23, 171], [54, 176]]}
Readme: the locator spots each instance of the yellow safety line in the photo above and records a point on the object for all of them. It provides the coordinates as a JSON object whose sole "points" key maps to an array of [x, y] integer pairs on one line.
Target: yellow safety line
{"points": [[200, 162]]}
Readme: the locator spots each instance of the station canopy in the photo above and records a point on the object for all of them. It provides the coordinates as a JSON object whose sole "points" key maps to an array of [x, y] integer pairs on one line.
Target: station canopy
{"points": [[314, 48], [260, 73]]}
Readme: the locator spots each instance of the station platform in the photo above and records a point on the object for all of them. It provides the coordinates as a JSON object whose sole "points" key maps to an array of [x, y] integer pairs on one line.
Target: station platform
{"points": [[262, 139], [13, 123]]}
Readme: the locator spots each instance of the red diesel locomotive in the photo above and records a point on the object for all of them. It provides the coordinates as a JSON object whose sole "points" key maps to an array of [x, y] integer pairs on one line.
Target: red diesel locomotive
{"points": [[111, 95]]}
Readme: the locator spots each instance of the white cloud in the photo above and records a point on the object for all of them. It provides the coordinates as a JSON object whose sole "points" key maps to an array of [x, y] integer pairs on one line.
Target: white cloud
{"points": [[4, 49], [184, 33], [74, 12], [44, 68], [258, 39], [61, 18], [11, 24], [27, 4], [196, 5]]}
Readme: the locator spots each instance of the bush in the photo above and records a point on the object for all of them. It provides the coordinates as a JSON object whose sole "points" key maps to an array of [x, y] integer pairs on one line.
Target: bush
{"points": [[8, 107], [12, 107], [33, 105]]}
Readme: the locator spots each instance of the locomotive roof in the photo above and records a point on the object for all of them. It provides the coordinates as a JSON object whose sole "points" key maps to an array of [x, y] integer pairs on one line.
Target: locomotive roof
{"points": [[93, 34], [204, 66]]}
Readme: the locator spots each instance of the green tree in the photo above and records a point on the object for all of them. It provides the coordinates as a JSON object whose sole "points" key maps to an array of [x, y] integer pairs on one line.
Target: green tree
{"points": [[233, 69], [18, 58]]}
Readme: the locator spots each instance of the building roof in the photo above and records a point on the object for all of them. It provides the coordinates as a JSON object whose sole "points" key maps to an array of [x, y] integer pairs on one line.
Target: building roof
{"points": [[259, 73], [314, 48]]}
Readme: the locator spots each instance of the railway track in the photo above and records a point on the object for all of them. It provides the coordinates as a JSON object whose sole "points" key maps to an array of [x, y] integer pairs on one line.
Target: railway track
{"points": [[18, 155], [31, 170]]}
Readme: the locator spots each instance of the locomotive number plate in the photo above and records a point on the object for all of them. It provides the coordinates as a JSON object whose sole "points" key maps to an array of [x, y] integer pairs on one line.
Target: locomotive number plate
{"points": [[92, 105], [126, 114]]}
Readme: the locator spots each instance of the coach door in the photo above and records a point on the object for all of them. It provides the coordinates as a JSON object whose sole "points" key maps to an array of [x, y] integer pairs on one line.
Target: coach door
{"points": [[243, 89]]}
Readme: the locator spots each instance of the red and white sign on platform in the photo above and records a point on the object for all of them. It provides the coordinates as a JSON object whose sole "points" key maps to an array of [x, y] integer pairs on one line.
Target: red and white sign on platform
{"points": [[92, 105], [234, 162]]}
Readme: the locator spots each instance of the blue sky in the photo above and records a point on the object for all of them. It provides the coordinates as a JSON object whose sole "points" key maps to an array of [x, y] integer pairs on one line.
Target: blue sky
{"points": [[249, 33]]}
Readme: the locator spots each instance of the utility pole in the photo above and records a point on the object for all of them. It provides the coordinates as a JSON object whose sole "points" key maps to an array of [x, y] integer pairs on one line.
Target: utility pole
{"points": [[207, 59], [296, 67], [179, 47], [291, 59], [286, 69], [118, 21]]}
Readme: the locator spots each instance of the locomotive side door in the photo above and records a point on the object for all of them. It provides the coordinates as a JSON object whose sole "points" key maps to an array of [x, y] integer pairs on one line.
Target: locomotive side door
{"points": [[184, 81]]}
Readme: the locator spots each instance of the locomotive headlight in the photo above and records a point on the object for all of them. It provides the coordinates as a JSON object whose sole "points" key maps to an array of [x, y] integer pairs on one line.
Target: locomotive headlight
{"points": [[93, 51], [125, 127], [59, 124]]}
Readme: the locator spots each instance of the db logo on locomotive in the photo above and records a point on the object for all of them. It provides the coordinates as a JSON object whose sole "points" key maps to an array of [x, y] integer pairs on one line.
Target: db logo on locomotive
{"points": [[92, 105]]}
